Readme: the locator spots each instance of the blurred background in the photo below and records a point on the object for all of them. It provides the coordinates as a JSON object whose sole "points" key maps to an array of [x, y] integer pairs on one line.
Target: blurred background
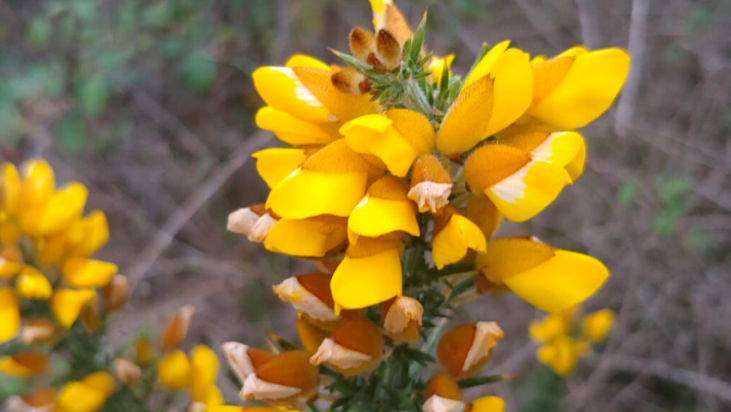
{"points": [[150, 103]]}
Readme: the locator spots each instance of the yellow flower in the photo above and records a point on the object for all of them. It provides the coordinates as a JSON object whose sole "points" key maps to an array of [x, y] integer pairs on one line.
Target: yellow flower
{"points": [[552, 326], [597, 325], [24, 364], [87, 273], [204, 368], [31, 284], [549, 279], [330, 182], [488, 404], [397, 137], [323, 233], [454, 235], [273, 165], [67, 304], [561, 355], [566, 149], [437, 66], [495, 94], [87, 395], [369, 274], [384, 209], [294, 131], [576, 87], [174, 370]]}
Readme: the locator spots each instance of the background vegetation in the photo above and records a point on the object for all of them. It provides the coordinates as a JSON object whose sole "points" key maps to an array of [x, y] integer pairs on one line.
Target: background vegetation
{"points": [[150, 103]]}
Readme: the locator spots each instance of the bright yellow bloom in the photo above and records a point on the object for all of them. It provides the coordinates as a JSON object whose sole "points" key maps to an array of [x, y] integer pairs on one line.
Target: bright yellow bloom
{"points": [[204, 368], [274, 165], [437, 66], [597, 325], [552, 326], [174, 370], [87, 395], [397, 137], [369, 274], [87, 273], [454, 235], [24, 364], [292, 130], [66, 304], [31, 284], [323, 233], [550, 279], [488, 404], [384, 209], [561, 355]]}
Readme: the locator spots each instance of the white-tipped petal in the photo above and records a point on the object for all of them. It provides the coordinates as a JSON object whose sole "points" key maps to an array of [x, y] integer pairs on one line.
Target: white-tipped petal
{"points": [[430, 196], [292, 291], [258, 389], [403, 310], [339, 356], [238, 359], [485, 338], [242, 221], [436, 403], [261, 228]]}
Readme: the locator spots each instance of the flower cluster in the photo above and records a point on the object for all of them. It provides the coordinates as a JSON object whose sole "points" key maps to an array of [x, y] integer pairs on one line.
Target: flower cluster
{"points": [[398, 175], [49, 280], [564, 337]]}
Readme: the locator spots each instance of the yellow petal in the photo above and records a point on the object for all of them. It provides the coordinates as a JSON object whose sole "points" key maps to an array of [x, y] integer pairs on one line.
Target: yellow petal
{"points": [[560, 355], [575, 167], [436, 66], [488, 404], [275, 164], [31, 284], [510, 256], [9, 314], [57, 213], [301, 60], [563, 281], [322, 234], [307, 193], [214, 398], [374, 217], [549, 328], [292, 130], [89, 234], [468, 119], [487, 63], [24, 364], [38, 184], [575, 51], [66, 304], [597, 325], [10, 188], [11, 261], [548, 74], [310, 335], [528, 191], [281, 89], [87, 273], [342, 106], [397, 137], [586, 91], [204, 368], [85, 396], [451, 243], [387, 16], [512, 89], [174, 371], [365, 281], [484, 214]]}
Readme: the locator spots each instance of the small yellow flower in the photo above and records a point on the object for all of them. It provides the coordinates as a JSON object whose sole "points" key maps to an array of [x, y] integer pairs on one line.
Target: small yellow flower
{"points": [[454, 236], [67, 304], [87, 395], [597, 325], [174, 371], [561, 355], [437, 66]]}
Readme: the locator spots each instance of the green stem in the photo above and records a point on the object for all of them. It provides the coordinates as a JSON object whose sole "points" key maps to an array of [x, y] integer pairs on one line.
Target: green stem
{"points": [[416, 98]]}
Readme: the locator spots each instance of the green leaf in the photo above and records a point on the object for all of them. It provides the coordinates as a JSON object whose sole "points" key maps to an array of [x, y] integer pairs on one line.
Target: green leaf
{"points": [[664, 222], [628, 191], [672, 190], [93, 95], [197, 72], [418, 42], [482, 380], [352, 61], [38, 34]]}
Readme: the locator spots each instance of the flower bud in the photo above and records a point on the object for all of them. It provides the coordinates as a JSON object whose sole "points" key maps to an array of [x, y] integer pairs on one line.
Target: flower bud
{"points": [[389, 50], [24, 364], [443, 395], [362, 43], [283, 379], [91, 319], [351, 81], [32, 284], [177, 329], [114, 294], [465, 349], [244, 360], [42, 400], [353, 349], [11, 261], [254, 222], [430, 184], [144, 352], [310, 294], [38, 331], [126, 372], [402, 319]]}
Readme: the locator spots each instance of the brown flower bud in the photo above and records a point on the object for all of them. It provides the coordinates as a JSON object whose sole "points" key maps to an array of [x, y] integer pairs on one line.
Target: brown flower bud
{"points": [[177, 329], [431, 184], [353, 349], [465, 349], [145, 353], [91, 319], [24, 364], [389, 50], [126, 372], [443, 395], [311, 295], [114, 294], [283, 379], [362, 43], [42, 400], [351, 81], [244, 360], [39, 331], [402, 317], [254, 222]]}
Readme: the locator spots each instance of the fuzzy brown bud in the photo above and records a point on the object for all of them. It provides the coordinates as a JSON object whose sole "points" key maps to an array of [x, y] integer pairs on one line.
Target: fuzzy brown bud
{"points": [[389, 50], [362, 43], [126, 372], [114, 293]]}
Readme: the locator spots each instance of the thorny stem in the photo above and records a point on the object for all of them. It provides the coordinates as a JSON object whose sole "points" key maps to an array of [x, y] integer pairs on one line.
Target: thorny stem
{"points": [[416, 98]]}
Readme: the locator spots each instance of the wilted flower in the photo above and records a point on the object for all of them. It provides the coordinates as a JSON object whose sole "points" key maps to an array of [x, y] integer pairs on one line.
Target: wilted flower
{"points": [[283, 379], [353, 349], [465, 349]]}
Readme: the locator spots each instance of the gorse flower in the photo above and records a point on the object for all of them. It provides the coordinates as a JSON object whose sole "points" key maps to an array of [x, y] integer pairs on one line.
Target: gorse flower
{"points": [[401, 172]]}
